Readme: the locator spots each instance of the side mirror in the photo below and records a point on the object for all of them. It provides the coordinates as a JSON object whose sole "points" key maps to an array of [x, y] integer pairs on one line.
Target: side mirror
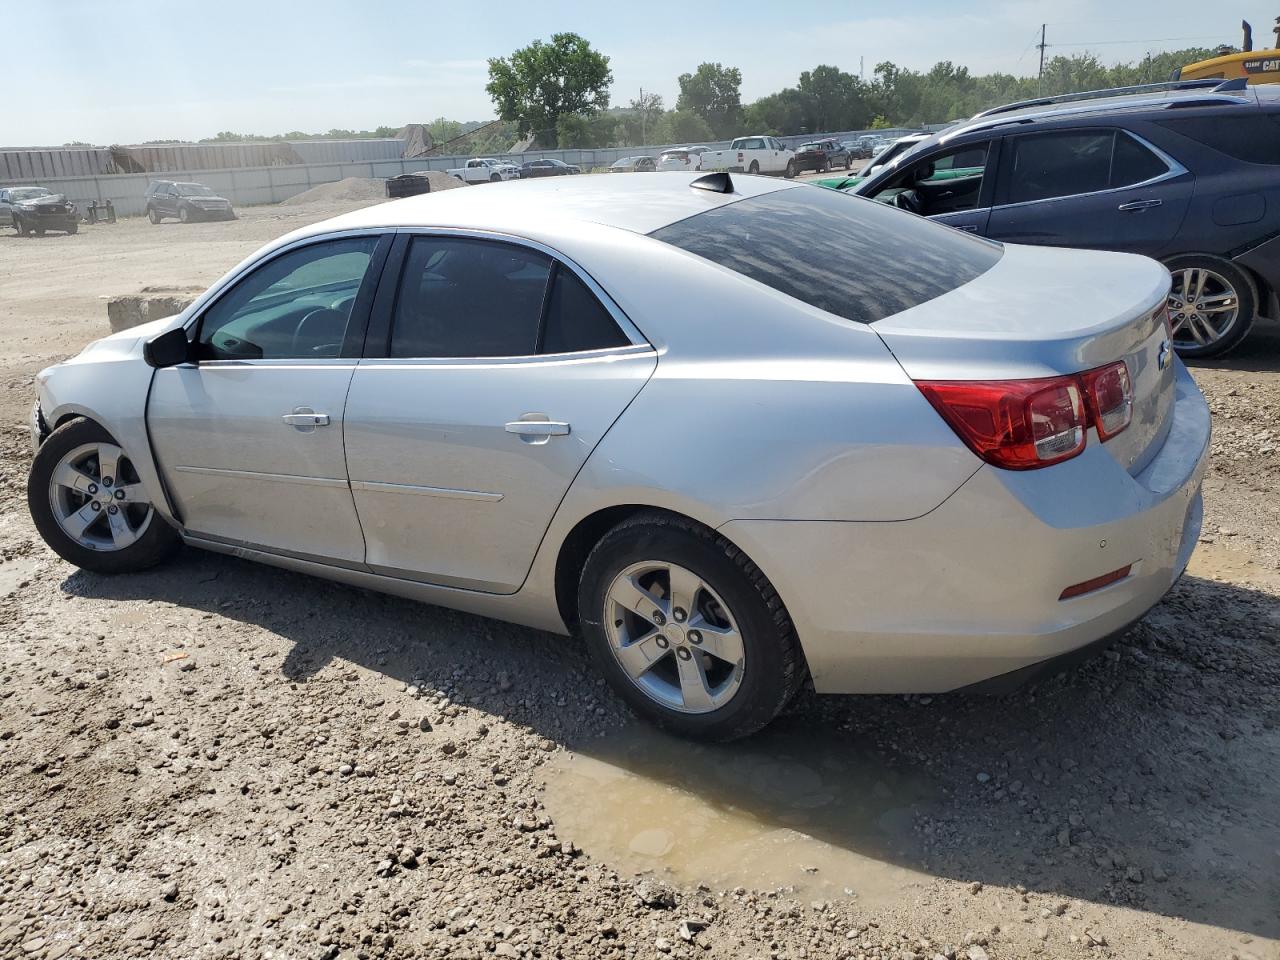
{"points": [[168, 349]]}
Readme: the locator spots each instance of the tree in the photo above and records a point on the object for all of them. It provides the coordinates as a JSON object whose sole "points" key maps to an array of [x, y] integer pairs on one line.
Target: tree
{"points": [[712, 92], [640, 122], [584, 132], [685, 126], [442, 130], [540, 83], [832, 100]]}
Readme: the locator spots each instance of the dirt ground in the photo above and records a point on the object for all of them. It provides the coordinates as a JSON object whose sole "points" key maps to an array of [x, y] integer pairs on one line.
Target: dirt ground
{"points": [[220, 760]]}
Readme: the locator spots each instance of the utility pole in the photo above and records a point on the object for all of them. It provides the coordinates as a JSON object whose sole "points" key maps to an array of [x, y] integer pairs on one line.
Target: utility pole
{"points": [[1040, 80], [643, 113], [862, 74]]}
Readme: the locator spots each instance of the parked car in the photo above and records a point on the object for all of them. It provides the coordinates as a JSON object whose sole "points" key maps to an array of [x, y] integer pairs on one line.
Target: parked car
{"points": [[682, 158], [485, 170], [36, 210], [892, 149], [186, 201], [1187, 173], [633, 165], [752, 155], [856, 148], [549, 167], [11, 195], [822, 155], [1019, 405]]}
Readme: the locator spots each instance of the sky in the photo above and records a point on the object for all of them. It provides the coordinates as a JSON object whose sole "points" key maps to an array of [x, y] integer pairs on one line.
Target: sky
{"points": [[169, 70]]}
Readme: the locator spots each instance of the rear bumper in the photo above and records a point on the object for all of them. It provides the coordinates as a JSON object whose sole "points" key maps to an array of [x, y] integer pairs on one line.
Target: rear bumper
{"points": [[970, 591]]}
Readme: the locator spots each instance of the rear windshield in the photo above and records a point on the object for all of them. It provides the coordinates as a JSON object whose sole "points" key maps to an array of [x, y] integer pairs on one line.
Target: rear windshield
{"points": [[886, 261]]}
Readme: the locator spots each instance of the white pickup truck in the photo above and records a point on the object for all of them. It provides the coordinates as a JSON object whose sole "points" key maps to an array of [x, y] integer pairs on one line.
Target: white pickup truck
{"points": [[484, 170], [753, 155]]}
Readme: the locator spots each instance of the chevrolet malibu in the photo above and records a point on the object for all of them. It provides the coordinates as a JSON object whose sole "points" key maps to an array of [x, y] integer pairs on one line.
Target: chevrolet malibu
{"points": [[636, 410]]}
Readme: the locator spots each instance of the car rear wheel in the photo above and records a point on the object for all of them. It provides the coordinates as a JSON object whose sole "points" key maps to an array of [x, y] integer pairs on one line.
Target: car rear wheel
{"points": [[89, 505], [1212, 305], [154, 215], [790, 172], [754, 168], [687, 630]]}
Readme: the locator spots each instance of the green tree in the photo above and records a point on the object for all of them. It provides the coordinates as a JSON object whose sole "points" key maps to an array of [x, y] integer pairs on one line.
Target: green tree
{"points": [[832, 100], [585, 132], [540, 83], [713, 93], [640, 122], [685, 126], [443, 130]]}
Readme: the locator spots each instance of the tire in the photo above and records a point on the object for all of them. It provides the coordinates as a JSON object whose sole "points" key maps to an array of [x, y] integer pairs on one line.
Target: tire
{"points": [[754, 168], [184, 214], [74, 228], [1218, 281], [150, 538], [728, 701], [790, 172], [848, 163], [494, 178], [20, 227], [39, 231], [154, 215]]}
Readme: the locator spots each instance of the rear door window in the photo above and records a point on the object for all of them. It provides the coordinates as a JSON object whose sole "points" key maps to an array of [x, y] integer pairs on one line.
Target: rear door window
{"points": [[575, 319], [886, 261], [1133, 162]]}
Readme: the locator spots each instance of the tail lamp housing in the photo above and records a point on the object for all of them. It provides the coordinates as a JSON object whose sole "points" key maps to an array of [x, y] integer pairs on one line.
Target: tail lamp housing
{"points": [[1028, 424]]}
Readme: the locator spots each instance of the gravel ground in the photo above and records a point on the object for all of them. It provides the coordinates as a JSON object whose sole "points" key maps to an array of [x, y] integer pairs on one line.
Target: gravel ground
{"points": [[216, 759]]}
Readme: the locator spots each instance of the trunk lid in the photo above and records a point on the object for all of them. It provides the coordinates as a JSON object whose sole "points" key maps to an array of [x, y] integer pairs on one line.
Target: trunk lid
{"points": [[1042, 312]]}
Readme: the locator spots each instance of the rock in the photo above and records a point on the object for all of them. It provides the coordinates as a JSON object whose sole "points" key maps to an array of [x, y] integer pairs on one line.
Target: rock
{"points": [[448, 748], [1133, 875], [975, 887], [662, 945], [424, 725], [984, 778], [101, 674], [186, 665], [690, 927], [408, 858], [346, 770], [1064, 836], [1158, 874], [170, 891], [655, 894], [975, 952], [131, 310], [1095, 938]]}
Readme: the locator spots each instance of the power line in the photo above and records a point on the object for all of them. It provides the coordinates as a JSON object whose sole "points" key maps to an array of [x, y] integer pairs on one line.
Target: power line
{"points": [[1096, 43]]}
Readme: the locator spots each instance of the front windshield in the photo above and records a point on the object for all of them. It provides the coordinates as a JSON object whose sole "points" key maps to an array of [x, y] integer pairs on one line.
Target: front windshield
{"points": [[193, 190], [29, 193]]}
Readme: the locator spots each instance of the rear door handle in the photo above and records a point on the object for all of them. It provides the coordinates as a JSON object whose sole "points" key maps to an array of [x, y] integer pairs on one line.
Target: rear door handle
{"points": [[968, 227], [1139, 205], [538, 428]]}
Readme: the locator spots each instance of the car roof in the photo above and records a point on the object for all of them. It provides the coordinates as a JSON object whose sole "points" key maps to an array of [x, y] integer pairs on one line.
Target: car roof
{"points": [[546, 208]]}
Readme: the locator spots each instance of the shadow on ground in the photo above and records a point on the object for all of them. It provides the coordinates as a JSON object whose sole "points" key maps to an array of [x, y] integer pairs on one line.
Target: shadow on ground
{"points": [[1144, 778]]}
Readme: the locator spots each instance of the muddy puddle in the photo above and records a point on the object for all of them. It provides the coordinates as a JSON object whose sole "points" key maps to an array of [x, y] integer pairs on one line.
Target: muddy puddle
{"points": [[1213, 561], [790, 807], [15, 572]]}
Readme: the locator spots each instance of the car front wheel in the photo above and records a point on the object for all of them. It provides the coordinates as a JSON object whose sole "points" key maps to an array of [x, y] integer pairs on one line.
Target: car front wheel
{"points": [[154, 215], [790, 172], [90, 506], [687, 630], [184, 214], [1212, 305]]}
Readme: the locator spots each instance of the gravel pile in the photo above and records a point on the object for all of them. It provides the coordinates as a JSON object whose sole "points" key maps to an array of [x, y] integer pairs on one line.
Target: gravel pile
{"points": [[362, 190]]}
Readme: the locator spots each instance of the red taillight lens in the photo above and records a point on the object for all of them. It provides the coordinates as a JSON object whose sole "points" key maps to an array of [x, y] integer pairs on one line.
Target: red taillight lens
{"points": [[1110, 398], [1015, 424], [1025, 424]]}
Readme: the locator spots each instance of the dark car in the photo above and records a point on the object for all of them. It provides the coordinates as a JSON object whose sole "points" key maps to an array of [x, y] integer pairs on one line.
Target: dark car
{"points": [[186, 201], [633, 165], [822, 155], [36, 210], [548, 168], [1185, 172]]}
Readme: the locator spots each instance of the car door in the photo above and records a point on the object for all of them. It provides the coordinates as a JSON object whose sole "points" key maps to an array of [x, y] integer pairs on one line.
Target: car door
{"points": [[1096, 187], [954, 185], [494, 369], [249, 435]]}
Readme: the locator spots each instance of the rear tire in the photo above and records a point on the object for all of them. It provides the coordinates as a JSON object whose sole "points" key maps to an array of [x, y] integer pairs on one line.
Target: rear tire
{"points": [[754, 168], [154, 215], [1205, 289], [790, 172], [184, 214], [78, 450], [719, 670]]}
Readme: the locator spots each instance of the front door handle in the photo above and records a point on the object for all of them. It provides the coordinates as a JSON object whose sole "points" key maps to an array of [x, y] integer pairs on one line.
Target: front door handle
{"points": [[968, 227], [1139, 205], [304, 418], [538, 428]]}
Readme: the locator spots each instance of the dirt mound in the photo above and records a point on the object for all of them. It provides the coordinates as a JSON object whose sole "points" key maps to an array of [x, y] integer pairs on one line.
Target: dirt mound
{"points": [[352, 189]]}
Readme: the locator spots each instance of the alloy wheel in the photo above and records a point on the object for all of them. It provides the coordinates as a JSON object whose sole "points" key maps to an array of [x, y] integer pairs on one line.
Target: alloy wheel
{"points": [[97, 498], [1203, 307], [674, 637]]}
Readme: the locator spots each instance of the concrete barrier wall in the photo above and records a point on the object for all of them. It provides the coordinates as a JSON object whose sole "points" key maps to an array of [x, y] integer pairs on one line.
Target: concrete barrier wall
{"points": [[247, 186]]}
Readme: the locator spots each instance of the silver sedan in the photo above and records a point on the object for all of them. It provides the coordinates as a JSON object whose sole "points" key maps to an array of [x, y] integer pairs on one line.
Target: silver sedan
{"points": [[641, 411]]}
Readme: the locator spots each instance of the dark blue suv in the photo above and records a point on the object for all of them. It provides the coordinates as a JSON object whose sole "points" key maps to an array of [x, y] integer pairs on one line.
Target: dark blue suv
{"points": [[1186, 172]]}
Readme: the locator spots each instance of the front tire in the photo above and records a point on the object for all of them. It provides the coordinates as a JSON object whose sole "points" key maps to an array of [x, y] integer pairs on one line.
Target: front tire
{"points": [[154, 215], [1212, 305], [494, 178], [790, 172], [20, 227], [73, 228], [184, 214], [687, 630], [89, 505]]}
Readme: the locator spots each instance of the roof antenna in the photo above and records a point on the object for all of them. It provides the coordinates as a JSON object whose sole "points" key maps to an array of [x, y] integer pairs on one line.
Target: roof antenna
{"points": [[715, 182]]}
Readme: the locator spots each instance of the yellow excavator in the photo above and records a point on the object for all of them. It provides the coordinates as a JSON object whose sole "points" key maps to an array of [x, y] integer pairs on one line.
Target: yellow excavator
{"points": [[1254, 66]]}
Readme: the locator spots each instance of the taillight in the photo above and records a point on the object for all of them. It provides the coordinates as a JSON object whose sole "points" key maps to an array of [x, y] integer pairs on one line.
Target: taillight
{"points": [[1110, 398], [1025, 424]]}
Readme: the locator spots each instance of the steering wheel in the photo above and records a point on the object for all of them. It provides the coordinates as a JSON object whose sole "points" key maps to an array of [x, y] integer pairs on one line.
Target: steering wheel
{"points": [[907, 200], [324, 328]]}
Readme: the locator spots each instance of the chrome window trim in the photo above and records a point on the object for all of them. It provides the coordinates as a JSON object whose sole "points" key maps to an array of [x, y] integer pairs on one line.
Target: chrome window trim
{"points": [[629, 329], [580, 356], [1175, 169]]}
